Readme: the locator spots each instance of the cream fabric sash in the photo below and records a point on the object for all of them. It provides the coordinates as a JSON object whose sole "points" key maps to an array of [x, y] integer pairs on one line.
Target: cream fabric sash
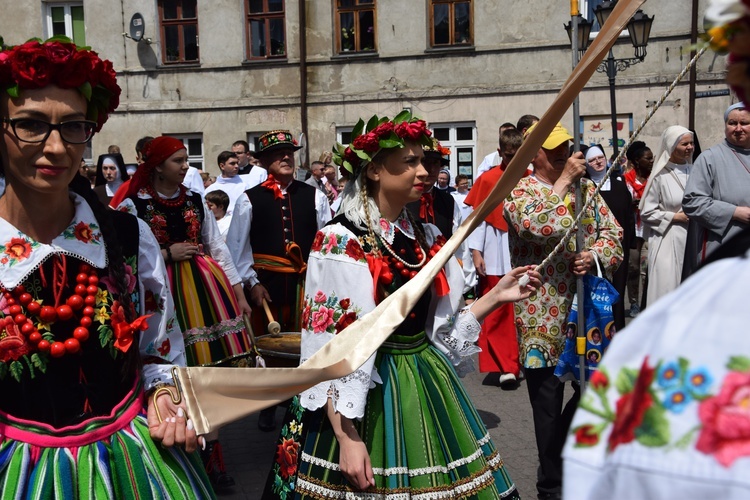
{"points": [[218, 396]]}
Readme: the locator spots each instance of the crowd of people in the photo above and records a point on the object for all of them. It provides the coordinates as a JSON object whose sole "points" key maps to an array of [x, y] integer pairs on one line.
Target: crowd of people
{"points": [[111, 276]]}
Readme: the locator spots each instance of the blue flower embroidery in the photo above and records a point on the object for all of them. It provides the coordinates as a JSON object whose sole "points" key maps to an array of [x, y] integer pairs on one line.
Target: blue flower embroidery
{"points": [[670, 375], [676, 400], [698, 381]]}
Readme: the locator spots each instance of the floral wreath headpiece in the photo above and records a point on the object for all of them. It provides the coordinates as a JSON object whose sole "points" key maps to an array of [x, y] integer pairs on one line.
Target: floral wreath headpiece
{"points": [[57, 61], [727, 26], [378, 134]]}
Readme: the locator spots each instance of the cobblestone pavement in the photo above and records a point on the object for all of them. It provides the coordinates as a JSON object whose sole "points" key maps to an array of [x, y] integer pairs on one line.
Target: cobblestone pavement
{"points": [[506, 413]]}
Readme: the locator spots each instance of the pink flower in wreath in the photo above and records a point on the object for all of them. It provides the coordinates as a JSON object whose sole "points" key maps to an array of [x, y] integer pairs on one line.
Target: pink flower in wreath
{"points": [[322, 319], [726, 421], [320, 297]]}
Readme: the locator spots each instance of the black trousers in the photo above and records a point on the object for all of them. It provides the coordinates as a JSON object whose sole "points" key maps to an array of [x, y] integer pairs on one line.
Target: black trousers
{"points": [[551, 424]]}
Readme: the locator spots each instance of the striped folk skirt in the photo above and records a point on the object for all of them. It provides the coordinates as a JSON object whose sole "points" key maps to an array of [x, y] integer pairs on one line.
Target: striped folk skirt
{"points": [[104, 457], [207, 311], [424, 436]]}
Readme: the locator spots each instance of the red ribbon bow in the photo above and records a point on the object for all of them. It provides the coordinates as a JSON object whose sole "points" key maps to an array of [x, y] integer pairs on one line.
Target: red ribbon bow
{"points": [[124, 331], [426, 211], [272, 185]]}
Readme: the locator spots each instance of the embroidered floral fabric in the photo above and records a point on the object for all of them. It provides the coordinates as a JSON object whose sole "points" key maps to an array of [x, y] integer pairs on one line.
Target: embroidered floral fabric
{"points": [[340, 288], [666, 414]]}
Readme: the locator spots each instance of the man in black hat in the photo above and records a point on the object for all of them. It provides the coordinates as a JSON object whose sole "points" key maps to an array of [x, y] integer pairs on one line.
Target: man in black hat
{"points": [[271, 234]]}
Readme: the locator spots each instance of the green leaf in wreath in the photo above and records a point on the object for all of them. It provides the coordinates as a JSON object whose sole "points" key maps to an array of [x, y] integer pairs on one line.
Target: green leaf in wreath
{"points": [[358, 128], [654, 430], [387, 143], [739, 364], [402, 117], [626, 380], [373, 122]]}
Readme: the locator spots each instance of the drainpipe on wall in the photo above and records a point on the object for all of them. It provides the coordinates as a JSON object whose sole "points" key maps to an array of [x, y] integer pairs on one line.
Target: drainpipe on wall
{"points": [[124, 48], [303, 77], [693, 71]]}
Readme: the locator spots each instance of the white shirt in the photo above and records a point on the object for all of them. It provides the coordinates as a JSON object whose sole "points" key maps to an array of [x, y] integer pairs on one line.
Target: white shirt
{"points": [[257, 175], [234, 187], [493, 244], [489, 161], [193, 181], [238, 235]]}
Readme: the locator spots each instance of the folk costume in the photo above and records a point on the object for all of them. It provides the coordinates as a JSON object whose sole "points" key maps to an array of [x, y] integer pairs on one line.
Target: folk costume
{"points": [[271, 233], [205, 303], [422, 432], [69, 424]]}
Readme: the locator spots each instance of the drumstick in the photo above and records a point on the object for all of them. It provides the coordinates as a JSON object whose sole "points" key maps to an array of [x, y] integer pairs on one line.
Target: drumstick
{"points": [[274, 328], [259, 361]]}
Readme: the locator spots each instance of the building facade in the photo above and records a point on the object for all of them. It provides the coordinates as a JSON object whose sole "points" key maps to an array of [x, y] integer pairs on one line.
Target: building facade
{"points": [[215, 71]]}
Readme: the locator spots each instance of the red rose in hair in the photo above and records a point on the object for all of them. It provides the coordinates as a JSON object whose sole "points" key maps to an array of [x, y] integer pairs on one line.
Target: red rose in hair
{"points": [[384, 129], [286, 457], [31, 66], [412, 130], [367, 142], [77, 70], [59, 53], [351, 156], [631, 408]]}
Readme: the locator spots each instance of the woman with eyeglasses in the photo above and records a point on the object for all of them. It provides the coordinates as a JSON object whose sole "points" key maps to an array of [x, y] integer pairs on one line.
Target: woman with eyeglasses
{"points": [[87, 331], [616, 195]]}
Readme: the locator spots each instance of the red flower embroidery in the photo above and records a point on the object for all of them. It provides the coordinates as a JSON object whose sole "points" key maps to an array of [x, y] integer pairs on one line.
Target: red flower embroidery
{"points": [[83, 232], [18, 249], [599, 380], [345, 303], [286, 457], [317, 242], [165, 348], [726, 421], [345, 320], [12, 343], [354, 250], [586, 435], [631, 408]]}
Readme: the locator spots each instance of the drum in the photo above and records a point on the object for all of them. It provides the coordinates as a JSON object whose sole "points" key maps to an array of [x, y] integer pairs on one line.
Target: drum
{"points": [[282, 350]]}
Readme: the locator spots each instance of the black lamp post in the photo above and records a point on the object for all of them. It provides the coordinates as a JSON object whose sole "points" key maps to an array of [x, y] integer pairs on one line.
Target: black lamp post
{"points": [[639, 29]]}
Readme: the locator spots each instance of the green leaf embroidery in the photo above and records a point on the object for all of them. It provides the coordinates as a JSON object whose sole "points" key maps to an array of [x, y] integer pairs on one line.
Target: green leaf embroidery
{"points": [[3, 370], [16, 369], [39, 363], [626, 380], [654, 431], [739, 364]]}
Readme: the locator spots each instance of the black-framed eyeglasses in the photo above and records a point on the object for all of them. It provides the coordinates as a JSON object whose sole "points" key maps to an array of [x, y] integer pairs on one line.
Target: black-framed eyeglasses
{"points": [[35, 131]]}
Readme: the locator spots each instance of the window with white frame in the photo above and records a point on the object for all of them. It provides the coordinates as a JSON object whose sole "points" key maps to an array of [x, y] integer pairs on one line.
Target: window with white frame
{"points": [[461, 139], [65, 18], [344, 135], [587, 10], [194, 145]]}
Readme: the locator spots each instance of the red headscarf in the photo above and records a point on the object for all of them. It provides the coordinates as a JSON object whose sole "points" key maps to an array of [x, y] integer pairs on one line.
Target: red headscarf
{"points": [[155, 153]]}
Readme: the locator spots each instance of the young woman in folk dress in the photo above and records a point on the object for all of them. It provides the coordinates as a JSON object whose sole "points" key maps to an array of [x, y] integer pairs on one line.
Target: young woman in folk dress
{"points": [[87, 330], [402, 423], [207, 290]]}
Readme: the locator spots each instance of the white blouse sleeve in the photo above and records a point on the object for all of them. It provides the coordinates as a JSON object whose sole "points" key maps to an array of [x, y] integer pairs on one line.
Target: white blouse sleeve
{"points": [[161, 345], [338, 290], [214, 245], [452, 332], [238, 241], [322, 208]]}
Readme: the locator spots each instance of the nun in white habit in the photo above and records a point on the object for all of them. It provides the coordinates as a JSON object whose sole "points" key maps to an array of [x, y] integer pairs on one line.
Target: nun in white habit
{"points": [[665, 224]]}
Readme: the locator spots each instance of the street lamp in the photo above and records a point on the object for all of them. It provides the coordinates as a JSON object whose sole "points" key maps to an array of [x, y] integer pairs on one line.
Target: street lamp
{"points": [[639, 29]]}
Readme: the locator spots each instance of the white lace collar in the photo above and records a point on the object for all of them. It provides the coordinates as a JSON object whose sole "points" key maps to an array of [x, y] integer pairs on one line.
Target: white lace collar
{"points": [[388, 228], [145, 195], [20, 255]]}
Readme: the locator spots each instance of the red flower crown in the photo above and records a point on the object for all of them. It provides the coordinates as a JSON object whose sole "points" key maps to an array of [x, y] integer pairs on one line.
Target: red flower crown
{"points": [[378, 134], [57, 61]]}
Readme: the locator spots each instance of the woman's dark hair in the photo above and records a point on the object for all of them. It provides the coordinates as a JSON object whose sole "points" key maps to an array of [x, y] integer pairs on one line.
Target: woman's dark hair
{"points": [[115, 257], [636, 151]]}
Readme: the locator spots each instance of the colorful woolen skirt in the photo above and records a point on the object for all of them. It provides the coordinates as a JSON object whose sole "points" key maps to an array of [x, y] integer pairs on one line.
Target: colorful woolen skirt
{"points": [[424, 436], [207, 311], [104, 457]]}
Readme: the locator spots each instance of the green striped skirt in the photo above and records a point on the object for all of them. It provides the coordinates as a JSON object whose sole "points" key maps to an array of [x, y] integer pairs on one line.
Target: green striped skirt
{"points": [[424, 436], [102, 458]]}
